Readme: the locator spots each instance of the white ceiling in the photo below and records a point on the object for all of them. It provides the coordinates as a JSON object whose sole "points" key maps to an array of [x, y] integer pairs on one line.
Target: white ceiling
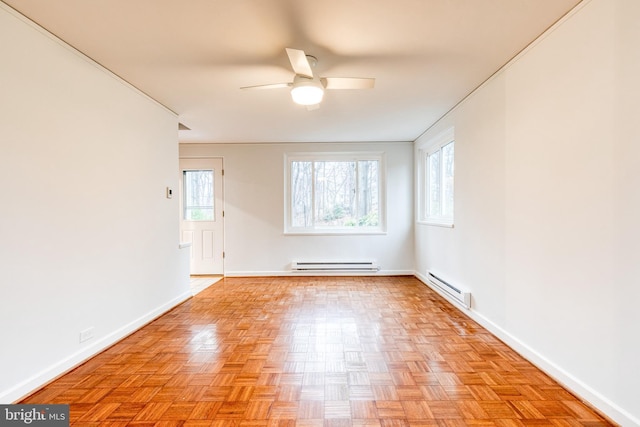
{"points": [[194, 55]]}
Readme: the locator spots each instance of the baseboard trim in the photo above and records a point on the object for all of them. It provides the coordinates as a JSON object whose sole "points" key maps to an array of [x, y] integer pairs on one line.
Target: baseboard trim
{"points": [[587, 394], [323, 273], [577, 387], [33, 383]]}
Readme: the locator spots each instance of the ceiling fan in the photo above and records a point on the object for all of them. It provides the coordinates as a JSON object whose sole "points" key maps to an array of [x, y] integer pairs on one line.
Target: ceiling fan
{"points": [[307, 88]]}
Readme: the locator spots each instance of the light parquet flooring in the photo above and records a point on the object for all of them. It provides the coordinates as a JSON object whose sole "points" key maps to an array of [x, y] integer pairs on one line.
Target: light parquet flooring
{"points": [[312, 352]]}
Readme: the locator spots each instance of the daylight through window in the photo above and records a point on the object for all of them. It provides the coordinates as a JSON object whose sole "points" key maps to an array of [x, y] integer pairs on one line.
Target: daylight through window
{"points": [[330, 193], [437, 189], [198, 195]]}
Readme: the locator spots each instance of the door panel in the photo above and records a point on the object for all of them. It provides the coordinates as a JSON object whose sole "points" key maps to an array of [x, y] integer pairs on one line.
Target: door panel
{"points": [[208, 244], [201, 213]]}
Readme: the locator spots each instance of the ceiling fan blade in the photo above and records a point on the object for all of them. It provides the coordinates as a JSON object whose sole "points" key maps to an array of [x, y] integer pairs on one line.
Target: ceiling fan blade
{"points": [[299, 62], [269, 86], [347, 82]]}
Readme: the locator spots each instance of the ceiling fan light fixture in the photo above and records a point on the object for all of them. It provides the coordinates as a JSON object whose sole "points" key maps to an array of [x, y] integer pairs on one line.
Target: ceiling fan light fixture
{"points": [[307, 88], [307, 92]]}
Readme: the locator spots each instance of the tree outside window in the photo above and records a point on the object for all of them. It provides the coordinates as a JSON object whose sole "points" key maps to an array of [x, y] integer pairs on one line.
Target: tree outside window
{"points": [[331, 193], [436, 169]]}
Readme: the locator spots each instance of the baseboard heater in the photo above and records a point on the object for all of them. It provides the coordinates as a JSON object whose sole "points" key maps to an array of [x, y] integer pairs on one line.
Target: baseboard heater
{"points": [[334, 266], [464, 298]]}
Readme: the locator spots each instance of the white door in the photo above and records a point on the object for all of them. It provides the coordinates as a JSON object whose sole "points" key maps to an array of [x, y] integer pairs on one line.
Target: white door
{"points": [[201, 213]]}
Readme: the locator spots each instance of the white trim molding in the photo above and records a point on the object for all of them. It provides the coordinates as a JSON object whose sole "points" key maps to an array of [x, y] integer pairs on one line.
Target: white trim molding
{"points": [[65, 365], [583, 391]]}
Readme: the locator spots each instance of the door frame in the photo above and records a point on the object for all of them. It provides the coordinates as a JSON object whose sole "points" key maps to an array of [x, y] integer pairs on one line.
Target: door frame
{"points": [[219, 199]]}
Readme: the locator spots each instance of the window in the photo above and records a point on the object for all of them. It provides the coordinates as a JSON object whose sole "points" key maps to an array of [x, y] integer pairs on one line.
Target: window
{"points": [[198, 195], [436, 169], [334, 193]]}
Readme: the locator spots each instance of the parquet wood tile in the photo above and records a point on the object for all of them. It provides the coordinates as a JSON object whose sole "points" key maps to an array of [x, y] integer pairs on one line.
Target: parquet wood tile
{"points": [[314, 352]]}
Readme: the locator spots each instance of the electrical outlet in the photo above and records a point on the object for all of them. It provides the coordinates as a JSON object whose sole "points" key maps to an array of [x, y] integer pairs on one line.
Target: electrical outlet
{"points": [[169, 192], [86, 335]]}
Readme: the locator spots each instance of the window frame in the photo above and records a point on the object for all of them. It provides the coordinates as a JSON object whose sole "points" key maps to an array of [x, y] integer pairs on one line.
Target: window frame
{"points": [[431, 147], [184, 194], [289, 158]]}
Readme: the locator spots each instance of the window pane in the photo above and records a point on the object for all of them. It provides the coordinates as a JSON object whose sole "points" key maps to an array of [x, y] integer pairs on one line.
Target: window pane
{"points": [[328, 193], [368, 203], [335, 190], [434, 184], [198, 195], [301, 191], [424, 186], [447, 180]]}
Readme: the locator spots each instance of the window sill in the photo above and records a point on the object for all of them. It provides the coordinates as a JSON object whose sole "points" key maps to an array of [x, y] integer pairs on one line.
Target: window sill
{"points": [[334, 232], [436, 223]]}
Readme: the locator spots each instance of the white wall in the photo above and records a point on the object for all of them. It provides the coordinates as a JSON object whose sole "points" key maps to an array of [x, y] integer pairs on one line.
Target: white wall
{"points": [[255, 243], [88, 238], [547, 204]]}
